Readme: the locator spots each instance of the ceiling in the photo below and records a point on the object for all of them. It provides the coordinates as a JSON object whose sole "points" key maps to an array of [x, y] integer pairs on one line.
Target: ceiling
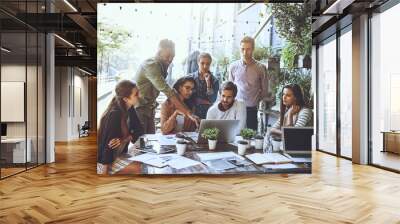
{"points": [[330, 15], [73, 22]]}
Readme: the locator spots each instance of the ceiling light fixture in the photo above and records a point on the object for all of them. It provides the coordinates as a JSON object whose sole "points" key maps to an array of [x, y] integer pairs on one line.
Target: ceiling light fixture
{"points": [[5, 50], [64, 40], [70, 5]]}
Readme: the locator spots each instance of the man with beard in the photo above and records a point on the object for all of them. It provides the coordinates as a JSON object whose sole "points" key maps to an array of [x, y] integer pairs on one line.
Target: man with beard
{"points": [[228, 108], [150, 79]]}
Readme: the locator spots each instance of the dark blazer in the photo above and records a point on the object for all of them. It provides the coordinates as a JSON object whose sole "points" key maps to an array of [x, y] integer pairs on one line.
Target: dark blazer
{"points": [[112, 129]]}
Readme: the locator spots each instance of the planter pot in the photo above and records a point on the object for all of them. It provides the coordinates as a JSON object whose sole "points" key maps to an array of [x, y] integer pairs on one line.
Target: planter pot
{"points": [[181, 148], [248, 143], [212, 144], [242, 148]]}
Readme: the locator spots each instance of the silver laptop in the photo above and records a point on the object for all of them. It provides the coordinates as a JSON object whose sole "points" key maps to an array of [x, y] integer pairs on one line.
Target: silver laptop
{"points": [[297, 140], [227, 130]]}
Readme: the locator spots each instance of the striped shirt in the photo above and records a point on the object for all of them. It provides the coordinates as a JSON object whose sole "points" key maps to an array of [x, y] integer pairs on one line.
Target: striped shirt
{"points": [[302, 119]]}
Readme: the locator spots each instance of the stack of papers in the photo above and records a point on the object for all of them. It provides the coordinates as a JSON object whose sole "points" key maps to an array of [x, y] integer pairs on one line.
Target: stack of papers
{"points": [[173, 160], [262, 158]]}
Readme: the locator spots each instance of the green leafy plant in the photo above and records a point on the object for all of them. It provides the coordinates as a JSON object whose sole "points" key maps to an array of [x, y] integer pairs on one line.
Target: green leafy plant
{"points": [[301, 77], [289, 55], [110, 39], [247, 133], [210, 133], [262, 53], [293, 23]]}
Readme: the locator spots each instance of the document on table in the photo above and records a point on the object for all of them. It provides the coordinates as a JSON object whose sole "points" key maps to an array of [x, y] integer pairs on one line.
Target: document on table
{"points": [[261, 158], [172, 160], [280, 166], [181, 162], [152, 159], [219, 164], [152, 137], [218, 155], [166, 139], [301, 160], [162, 139]]}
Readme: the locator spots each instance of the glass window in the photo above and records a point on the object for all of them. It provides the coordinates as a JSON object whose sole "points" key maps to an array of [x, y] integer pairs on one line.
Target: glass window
{"points": [[22, 93], [327, 96], [14, 153], [346, 94], [385, 89]]}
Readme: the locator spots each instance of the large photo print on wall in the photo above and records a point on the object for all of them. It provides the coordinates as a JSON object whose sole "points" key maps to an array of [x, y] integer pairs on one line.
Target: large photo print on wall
{"points": [[216, 88]]}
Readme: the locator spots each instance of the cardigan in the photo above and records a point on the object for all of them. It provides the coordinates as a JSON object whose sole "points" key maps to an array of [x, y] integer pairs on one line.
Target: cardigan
{"points": [[112, 128]]}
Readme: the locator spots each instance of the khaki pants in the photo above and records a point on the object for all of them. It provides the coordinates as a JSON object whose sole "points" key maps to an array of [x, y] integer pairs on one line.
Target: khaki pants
{"points": [[146, 117]]}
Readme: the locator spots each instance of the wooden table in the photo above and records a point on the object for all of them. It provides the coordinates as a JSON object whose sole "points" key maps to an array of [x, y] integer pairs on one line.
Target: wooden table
{"points": [[134, 167]]}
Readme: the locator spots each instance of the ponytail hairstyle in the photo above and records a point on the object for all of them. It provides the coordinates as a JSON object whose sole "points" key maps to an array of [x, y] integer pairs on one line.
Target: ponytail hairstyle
{"points": [[123, 89]]}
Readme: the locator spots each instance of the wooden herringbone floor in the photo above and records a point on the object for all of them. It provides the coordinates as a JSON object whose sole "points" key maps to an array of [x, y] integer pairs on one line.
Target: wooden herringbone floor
{"points": [[69, 191]]}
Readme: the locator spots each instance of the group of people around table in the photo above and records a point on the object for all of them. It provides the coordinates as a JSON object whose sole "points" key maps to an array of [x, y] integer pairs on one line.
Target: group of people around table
{"points": [[196, 96]]}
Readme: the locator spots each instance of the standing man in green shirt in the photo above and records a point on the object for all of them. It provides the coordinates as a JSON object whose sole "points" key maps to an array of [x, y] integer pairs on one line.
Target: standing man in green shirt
{"points": [[150, 79]]}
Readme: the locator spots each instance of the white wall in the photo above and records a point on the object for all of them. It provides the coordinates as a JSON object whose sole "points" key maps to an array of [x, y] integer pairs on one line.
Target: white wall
{"points": [[71, 102], [33, 127]]}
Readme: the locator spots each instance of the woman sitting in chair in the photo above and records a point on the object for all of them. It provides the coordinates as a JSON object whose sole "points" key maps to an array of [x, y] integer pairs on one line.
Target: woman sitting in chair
{"points": [[173, 120], [293, 111], [119, 125]]}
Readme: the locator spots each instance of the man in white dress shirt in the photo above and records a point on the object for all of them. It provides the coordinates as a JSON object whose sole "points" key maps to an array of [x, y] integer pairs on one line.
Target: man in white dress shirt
{"points": [[228, 108]]}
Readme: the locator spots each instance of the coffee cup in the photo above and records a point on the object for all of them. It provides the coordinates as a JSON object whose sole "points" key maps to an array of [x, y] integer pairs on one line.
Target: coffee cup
{"points": [[181, 147]]}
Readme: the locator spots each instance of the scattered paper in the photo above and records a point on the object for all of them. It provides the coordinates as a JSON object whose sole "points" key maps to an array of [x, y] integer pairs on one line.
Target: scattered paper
{"points": [[280, 166], [219, 164], [218, 155], [301, 160], [162, 139], [152, 137], [181, 162], [153, 159], [172, 160], [261, 158]]}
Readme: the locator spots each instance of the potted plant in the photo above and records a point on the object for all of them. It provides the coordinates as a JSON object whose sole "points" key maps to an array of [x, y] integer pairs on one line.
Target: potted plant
{"points": [[259, 141], [242, 146], [212, 135], [247, 134]]}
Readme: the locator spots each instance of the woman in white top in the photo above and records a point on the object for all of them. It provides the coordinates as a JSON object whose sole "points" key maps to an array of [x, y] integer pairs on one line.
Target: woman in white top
{"points": [[294, 112]]}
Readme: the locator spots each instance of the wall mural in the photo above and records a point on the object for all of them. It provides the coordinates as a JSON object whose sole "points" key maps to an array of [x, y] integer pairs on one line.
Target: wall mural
{"points": [[206, 88]]}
